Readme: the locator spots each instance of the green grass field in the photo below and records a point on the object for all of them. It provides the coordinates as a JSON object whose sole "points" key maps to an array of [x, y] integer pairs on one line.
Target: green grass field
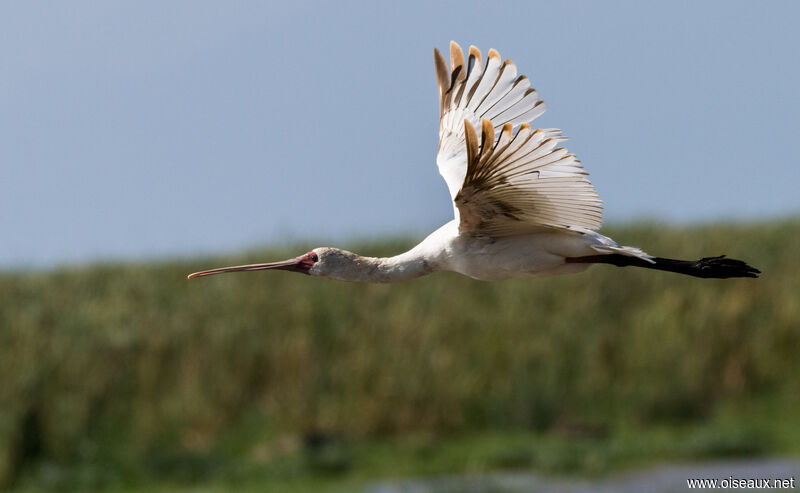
{"points": [[127, 376]]}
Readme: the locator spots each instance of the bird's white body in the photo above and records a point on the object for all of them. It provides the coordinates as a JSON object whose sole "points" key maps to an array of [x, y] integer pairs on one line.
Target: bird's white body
{"points": [[523, 206], [484, 258], [538, 254]]}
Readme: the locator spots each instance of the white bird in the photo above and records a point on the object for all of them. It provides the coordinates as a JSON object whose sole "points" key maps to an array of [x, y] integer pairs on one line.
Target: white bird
{"points": [[523, 206]]}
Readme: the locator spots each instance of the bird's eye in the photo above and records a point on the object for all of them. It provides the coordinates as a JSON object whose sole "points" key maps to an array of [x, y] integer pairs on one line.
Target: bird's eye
{"points": [[314, 256]]}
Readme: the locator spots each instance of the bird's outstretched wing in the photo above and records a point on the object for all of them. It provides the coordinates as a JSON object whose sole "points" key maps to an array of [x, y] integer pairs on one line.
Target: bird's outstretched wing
{"points": [[519, 182]]}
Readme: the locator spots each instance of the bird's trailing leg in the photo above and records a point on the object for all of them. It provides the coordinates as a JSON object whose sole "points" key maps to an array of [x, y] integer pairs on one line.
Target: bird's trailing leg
{"points": [[708, 267]]}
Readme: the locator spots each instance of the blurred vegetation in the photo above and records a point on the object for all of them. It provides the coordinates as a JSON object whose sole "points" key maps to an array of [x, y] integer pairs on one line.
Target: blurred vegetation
{"points": [[126, 374]]}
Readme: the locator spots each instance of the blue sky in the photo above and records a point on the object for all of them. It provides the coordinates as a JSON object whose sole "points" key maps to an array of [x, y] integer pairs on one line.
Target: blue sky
{"points": [[147, 129]]}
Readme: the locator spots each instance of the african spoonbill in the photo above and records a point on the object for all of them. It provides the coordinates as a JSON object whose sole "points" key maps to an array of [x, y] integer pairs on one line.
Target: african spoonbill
{"points": [[523, 205]]}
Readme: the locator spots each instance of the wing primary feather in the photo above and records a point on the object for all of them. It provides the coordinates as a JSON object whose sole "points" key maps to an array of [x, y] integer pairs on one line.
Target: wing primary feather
{"points": [[456, 58], [538, 109], [457, 67], [502, 86], [474, 74], [471, 138], [442, 79], [506, 134], [454, 78], [460, 72], [504, 143], [512, 97], [488, 79], [476, 60], [487, 139], [528, 100]]}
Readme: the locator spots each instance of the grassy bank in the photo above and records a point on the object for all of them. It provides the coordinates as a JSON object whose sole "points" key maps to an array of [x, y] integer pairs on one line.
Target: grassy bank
{"points": [[125, 374]]}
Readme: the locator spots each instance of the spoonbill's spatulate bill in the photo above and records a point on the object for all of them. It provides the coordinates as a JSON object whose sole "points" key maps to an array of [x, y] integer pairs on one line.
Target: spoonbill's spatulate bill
{"points": [[523, 205]]}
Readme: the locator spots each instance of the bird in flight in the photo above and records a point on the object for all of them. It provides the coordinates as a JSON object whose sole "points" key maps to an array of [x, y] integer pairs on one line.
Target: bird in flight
{"points": [[523, 206]]}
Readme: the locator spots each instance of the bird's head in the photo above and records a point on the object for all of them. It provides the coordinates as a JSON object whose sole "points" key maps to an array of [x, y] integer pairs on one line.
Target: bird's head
{"points": [[322, 261]]}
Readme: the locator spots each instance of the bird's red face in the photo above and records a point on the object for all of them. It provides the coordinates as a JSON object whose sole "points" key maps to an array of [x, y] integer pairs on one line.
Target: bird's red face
{"points": [[302, 264]]}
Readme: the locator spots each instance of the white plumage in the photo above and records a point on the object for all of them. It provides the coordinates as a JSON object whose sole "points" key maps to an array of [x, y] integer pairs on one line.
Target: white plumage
{"points": [[523, 206]]}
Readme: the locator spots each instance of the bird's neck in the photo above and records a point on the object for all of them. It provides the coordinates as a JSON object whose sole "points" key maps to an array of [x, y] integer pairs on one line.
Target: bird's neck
{"points": [[408, 265]]}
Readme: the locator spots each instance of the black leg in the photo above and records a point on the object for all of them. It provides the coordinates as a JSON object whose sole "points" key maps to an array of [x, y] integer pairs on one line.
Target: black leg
{"points": [[708, 267]]}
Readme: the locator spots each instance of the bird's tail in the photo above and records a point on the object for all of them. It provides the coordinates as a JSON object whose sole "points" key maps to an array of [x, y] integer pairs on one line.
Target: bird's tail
{"points": [[605, 245], [627, 251]]}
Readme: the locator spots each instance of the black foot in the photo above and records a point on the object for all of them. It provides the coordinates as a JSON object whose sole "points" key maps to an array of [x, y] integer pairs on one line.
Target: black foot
{"points": [[723, 268]]}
